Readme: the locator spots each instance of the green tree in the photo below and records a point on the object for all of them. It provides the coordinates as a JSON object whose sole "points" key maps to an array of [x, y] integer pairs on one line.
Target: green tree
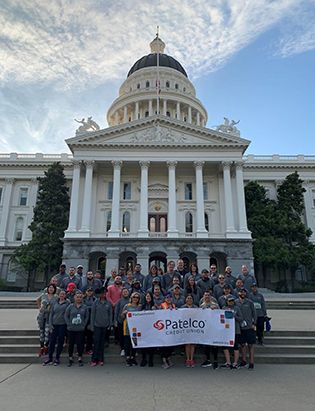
{"points": [[51, 213]]}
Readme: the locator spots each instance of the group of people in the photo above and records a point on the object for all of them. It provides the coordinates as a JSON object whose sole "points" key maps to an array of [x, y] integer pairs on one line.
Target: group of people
{"points": [[82, 310]]}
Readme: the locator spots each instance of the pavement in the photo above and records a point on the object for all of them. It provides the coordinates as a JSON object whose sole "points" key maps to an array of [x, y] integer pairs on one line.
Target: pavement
{"points": [[34, 387]]}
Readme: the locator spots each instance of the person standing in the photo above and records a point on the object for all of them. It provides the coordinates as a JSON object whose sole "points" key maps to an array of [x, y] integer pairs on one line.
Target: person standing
{"points": [[101, 321], [209, 302], [118, 321], [113, 296], [57, 328], [133, 305], [260, 306], [247, 278], [61, 275], [248, 327], [44, 303], [148, 352], [71, 278], [190, 348], [76, 317]]}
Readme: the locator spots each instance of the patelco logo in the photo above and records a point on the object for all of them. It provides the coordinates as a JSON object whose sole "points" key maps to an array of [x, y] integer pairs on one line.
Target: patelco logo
{"points": [[159, 325]]}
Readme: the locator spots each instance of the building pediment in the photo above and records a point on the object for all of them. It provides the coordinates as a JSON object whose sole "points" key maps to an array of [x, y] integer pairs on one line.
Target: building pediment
{"points": [[156, 132]]}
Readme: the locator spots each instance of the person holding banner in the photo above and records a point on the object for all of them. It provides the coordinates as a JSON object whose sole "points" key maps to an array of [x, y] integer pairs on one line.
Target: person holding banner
{"points": [[190, 348], [166, 352], [192, 289], [208, 301], [133, 305], [148, 305], [230, 305]]}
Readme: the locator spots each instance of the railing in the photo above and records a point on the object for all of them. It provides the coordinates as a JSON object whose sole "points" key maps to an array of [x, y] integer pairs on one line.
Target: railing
{"points": [[277, 158], [36, 156]]}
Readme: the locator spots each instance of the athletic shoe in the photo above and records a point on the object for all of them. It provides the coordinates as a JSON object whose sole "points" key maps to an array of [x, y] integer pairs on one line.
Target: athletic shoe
{"points": [[93, 364], [133, 361], [226, 365], [242, 364], [90, 352], [206, 364], [234, 367], [215, 365], [70, 363], [41, 352], [101, 363], [128, 363], [56, 362], [192, 363], [250, 366], [47, 362], [80, 363], [122, 353], [187, 363]]}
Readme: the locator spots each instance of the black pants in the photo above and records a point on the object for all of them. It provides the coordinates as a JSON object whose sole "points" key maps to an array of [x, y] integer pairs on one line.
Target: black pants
{"points": [[130, 352], [148, 352], [166, 352], [211, 349], [260, 329], [76, 337], [120, 329], [88, 334], [99, 344], [57, 336]]}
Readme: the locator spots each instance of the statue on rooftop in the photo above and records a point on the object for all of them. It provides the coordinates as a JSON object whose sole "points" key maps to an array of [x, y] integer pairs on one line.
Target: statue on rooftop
{"points": [[229, 127], [87, 125]]}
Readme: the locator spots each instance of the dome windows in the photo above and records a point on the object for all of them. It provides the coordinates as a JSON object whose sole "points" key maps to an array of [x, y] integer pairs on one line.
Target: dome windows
{"points": [[138, 86], [167, 84], [176, 86], [147, 84]]}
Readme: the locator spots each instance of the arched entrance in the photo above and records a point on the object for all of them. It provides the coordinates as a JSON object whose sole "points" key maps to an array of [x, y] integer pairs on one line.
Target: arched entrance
{"points": [[219, 259], [97, 261], [159, 259], [127, 260], [188, 257]]}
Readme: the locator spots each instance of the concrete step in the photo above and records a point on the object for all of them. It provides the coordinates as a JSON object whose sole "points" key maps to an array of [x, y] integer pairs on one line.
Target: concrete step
{"points": [[19, 332], [285, 349], [19, 340], [290, 305], [17, 304], [289, 340]]}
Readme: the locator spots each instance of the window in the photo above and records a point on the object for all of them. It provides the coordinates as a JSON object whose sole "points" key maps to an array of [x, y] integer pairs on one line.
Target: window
{"points": [[127, 191], [110, 190], [23, 196], [167, 84], [188, 222], [184, 89], [1, 190], [126, 222], [18, 234], [138, 85], [147, 84], [146, 114], [108, 220], [313, 198], [176, 86], [206, 222], [168, 114], [205, 191], [188, 191]]}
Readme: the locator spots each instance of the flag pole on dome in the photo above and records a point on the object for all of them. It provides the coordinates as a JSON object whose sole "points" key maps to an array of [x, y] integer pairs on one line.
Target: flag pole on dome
{"points": [[158, 88]]}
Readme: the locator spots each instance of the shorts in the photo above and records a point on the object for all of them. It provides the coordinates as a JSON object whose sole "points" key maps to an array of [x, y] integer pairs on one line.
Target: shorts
{"points": [[248, 336]]}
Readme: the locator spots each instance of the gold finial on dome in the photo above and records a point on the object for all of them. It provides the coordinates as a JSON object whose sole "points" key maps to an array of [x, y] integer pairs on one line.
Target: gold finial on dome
{"points": [[157, 45]]}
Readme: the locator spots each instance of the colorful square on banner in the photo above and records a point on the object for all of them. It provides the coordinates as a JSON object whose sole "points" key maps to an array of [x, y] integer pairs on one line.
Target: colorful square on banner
{"points": [[222, 321], [134, 334], [221, 316], [134, 330], [229, 314], [227, 325], [231, 342], [129, 315], [138, 334]]}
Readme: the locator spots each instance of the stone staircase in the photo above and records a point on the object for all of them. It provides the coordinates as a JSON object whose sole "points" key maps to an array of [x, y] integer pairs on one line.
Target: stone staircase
{"points": [[281, 347]]}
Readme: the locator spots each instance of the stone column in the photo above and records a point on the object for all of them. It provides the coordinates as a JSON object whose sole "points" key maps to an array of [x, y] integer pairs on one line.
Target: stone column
{"points": [[201, 230], [115, 226], [74, 204], [229, 217], [172, 228], [5, 209], [198, 118], [150, 108], [125, 114], [116, 117], [143, 227], [241, 208], [136, 110], [189, 114], [178, 110], [164, 107], [87, 197], [32, 203]]}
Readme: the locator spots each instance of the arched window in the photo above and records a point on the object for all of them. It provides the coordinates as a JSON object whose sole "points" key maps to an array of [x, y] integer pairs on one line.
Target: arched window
{"points": [[108, 220], [147, 84], [138, 85], [167, 84], [18, 233], [184, 89], [126, 222], [188, 222], [176, 86], [146, 114], [206, 222], [168, 114]]}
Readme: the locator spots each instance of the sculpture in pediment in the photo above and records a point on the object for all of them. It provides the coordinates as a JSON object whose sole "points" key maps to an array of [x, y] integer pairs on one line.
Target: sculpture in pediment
{"points": [[158, 135]]}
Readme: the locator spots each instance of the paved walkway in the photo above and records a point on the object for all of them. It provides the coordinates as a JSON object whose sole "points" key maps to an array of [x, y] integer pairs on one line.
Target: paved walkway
{"points": [[268, 387]]}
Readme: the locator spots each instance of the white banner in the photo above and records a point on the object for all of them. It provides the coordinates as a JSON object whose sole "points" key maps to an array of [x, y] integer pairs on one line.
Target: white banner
{"points": [[158, 328]]}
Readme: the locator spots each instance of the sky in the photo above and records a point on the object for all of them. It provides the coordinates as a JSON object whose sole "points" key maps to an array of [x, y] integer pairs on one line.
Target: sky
{"points": [[250, 60]]}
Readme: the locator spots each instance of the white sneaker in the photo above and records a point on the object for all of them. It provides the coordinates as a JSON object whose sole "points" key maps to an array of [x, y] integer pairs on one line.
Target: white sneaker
{"points": [[122, 353]]}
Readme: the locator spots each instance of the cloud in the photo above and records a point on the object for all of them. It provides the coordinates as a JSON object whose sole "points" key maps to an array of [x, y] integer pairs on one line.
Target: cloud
{"points": [[76, 45]]}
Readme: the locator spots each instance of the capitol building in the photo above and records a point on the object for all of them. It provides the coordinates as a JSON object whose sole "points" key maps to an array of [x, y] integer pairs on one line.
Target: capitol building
{"points": [[153, 186]]}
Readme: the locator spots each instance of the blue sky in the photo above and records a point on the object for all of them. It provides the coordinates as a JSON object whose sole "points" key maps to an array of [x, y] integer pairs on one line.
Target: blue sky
{"points": [[251, 61]]}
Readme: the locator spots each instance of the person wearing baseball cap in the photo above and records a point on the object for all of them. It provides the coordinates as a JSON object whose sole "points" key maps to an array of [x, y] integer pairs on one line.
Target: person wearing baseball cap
{"points": [[261, 311]]}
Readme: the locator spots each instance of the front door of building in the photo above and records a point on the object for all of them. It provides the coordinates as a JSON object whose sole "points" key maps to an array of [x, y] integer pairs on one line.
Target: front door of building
{"points": [[157, 223]]}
